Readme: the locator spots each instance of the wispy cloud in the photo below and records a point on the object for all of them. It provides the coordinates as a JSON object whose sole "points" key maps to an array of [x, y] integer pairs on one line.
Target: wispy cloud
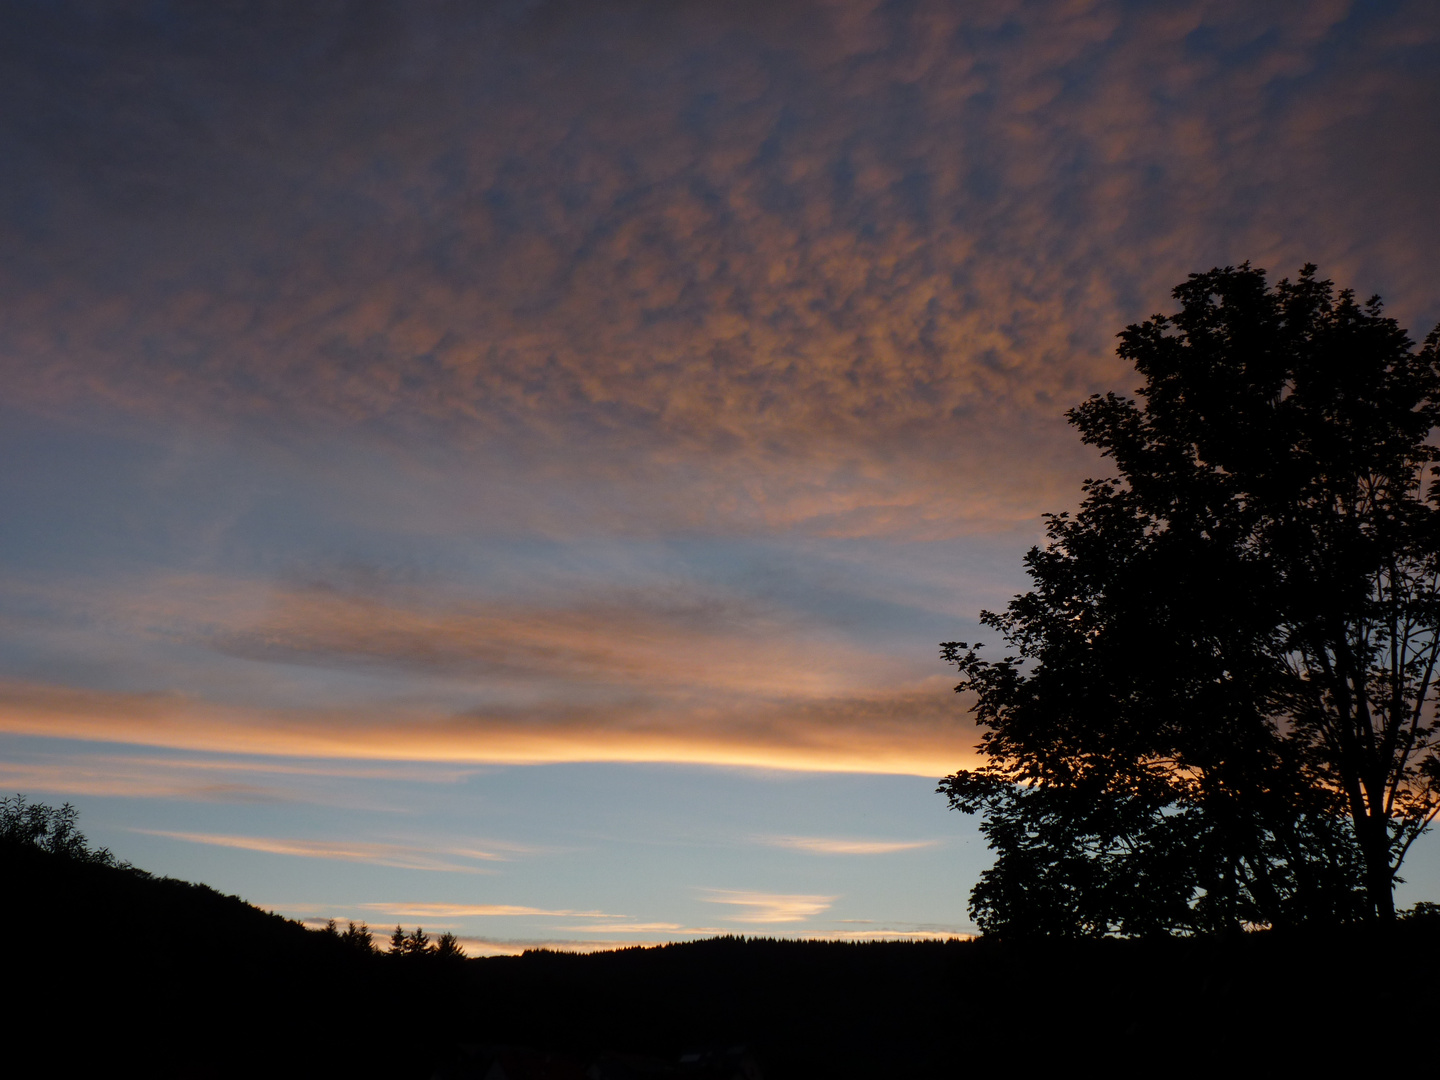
{"points": [[402, 856], [212, 779], [919, 732], [410, 910], [889, 935], [821, 845], [488, 946], [659, 639], [126, 780], [666, 672], [491, 946], [760, 907]]}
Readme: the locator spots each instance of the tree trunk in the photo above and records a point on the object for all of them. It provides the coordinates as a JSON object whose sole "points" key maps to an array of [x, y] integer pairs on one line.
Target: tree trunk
{"points": [[1379, 875]]}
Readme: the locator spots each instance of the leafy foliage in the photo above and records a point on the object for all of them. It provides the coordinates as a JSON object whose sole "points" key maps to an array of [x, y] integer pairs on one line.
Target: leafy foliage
{"points": [[48, 829], [1219, 703]]}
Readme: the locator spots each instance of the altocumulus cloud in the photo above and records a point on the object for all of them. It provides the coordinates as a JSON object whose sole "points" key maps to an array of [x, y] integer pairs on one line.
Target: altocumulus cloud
{"points": [[800, 274], [838, 264]]}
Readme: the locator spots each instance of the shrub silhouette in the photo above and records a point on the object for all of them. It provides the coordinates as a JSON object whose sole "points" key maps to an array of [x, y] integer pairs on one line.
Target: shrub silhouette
{"points": [[48, 829]]}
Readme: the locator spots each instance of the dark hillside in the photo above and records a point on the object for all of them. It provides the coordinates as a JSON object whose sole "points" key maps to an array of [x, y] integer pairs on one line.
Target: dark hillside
{"points": [[165, 976], [109, 968]]}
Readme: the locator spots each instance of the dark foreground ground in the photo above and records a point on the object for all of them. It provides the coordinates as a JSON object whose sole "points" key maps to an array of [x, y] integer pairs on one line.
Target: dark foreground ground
{"points": [[106, 971]]}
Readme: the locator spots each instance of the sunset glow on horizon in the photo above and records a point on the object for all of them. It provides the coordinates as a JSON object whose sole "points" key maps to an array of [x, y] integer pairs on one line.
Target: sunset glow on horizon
{"points": [[509, 467]]}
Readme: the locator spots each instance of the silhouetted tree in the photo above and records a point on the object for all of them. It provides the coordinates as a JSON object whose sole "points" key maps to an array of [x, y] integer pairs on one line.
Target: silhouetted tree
{"points": [[1219, 706], [447, 947], [397, 942], [359, 939], [417, 943], [45, 827]]}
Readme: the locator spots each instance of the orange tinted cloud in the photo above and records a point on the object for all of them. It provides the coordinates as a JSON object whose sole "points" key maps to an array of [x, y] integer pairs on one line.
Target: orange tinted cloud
{"points": [[117, 777], [203, 780], [666, 636], [760, 907], [458, 911], [843, 267], [480, 946], [671, 673], [654, 639], [890, 935], [212, 779], [821, 845], [915, 733], [402, 856]]}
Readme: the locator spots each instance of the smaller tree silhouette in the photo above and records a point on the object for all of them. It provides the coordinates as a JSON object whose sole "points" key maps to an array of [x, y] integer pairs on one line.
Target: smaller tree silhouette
{"points": [[397, 942], [39, 826], [416, 943], [447, 947]]}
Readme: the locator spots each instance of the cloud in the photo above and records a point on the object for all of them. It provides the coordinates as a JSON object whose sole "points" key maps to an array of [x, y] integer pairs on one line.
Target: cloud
{"points": [[917, 733], [659, 639], [821, 845], [841, 268], [196, 779], [401, 856], [483, 946], [761, 907], [118, 778], [661, 670], [660, 636], [890, 935], [459, 911]]}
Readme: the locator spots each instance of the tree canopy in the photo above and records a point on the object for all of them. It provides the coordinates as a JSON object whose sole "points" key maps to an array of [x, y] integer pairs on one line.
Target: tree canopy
{"points": [[49, 829], [1217, 706]]}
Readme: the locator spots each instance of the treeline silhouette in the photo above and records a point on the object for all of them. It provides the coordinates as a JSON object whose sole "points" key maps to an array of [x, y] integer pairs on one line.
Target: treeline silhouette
{"points": [[110, 968], [357, 938]]}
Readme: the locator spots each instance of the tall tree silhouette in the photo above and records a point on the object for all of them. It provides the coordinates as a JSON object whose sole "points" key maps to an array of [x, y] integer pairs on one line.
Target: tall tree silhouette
{"points": [[359, 939], [417, 943], [1219, 703]]}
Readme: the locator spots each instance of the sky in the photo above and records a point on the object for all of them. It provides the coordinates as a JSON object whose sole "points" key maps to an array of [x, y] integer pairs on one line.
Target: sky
{"points": [[507, 467]]}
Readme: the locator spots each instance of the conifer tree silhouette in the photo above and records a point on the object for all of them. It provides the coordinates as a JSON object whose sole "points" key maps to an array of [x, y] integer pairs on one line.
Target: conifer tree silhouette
{"points": [[359, 938], [417, 943], [447, 947]]}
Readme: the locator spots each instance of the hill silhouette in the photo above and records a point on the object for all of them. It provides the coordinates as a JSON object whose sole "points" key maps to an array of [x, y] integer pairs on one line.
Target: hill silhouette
{"points": [[110, 968]]}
